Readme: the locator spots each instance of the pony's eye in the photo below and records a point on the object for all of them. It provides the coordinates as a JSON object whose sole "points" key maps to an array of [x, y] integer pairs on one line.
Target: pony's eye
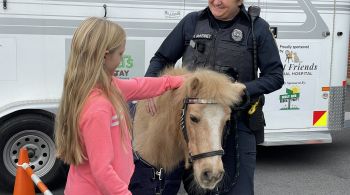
{"points": [[194, 119]]}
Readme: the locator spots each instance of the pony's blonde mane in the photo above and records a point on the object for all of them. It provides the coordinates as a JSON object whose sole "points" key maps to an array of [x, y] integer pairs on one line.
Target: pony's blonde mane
{"points": [[214, 86], [159, 139]]}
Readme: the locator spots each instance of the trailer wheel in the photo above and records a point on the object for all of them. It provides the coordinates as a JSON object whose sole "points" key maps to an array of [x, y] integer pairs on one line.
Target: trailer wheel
{"points": [[35, 132]]}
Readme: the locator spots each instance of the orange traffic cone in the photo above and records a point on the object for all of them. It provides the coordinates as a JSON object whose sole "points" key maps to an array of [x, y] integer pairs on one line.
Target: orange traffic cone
{"points": [[23, 183]]}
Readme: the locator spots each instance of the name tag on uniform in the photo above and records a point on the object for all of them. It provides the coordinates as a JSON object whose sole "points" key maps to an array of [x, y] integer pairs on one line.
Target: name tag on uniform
{"points": [[202, 36]]}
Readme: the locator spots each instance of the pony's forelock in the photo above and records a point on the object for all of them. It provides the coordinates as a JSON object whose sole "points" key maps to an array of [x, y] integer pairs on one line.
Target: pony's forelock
{"points": [[218, 86]]}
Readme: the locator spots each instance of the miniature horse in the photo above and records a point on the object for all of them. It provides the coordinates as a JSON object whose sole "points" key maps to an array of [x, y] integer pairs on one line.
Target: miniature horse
{"points": [[188, 125]]}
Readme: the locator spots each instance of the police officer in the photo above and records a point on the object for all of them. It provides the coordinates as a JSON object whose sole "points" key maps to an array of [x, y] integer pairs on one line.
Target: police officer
{"points": [[225, 38]]}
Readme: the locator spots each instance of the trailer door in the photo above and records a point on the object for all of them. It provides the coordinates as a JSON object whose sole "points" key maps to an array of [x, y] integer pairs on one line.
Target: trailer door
{"points": [[298, 112]]}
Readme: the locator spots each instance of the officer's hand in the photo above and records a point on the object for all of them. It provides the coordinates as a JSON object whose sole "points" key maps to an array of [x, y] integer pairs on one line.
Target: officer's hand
{"points": [[151, 107], [243, 96]]}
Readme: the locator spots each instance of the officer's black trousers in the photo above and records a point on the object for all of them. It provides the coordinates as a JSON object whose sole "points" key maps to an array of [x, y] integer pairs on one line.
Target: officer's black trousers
{"points": [[247, 155]]}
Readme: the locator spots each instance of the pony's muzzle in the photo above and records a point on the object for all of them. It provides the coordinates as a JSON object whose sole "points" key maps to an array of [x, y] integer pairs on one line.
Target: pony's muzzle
{"points": [[211, 177]]}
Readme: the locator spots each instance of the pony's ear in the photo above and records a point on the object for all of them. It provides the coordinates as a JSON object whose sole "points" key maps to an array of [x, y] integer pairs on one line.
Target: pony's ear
{"points": [[194, 87]]}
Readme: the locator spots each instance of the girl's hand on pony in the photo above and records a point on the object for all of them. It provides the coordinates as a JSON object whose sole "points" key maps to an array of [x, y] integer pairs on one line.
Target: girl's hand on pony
{"points": [[151, 107]]}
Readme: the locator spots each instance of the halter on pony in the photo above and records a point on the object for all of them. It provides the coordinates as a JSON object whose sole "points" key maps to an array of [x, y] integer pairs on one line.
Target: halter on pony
{"points": [[184, 129], [234, 119]]}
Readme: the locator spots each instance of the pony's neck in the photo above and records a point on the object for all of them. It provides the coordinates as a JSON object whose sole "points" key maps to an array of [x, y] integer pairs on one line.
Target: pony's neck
{"points": [[167, 140]]}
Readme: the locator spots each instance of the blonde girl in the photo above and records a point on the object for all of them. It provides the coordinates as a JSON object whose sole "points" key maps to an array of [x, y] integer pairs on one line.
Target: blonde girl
{"points": [[93, 125]]}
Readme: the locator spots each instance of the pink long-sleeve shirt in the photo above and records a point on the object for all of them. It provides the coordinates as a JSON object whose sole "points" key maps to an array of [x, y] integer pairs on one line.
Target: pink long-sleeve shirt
{"points": [[109, 165]]}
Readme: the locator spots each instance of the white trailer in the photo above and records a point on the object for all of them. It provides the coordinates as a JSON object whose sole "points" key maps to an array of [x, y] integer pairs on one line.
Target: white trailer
{"points": [[35, 36]]}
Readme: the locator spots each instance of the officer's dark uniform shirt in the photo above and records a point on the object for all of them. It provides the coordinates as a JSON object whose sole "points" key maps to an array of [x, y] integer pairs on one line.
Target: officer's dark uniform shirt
{"points": [[268, 60]]}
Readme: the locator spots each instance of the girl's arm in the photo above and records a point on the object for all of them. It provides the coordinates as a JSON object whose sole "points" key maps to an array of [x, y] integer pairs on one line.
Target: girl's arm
{"points": [[96, 133], [147, 87]]}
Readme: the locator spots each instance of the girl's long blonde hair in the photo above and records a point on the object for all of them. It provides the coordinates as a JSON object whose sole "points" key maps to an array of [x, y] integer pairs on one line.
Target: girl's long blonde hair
{"points": [[85, 71]]}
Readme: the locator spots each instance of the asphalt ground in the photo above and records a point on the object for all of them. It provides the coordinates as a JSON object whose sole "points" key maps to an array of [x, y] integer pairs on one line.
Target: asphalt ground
{"points": [[305, 169]]}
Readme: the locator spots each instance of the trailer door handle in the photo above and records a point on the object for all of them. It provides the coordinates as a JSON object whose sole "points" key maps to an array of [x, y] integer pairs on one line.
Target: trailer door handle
{"points": [[4, 4], [273, 30], [105, 7]]}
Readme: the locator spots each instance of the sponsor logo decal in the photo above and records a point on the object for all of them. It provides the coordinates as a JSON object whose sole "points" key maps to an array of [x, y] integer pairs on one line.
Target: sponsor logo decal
{"points": [[124, 67], [290, 98], [293, 63]]}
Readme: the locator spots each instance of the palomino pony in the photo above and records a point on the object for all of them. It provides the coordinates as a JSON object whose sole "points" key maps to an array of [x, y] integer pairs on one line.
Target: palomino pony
{"points": [[188, 125]]}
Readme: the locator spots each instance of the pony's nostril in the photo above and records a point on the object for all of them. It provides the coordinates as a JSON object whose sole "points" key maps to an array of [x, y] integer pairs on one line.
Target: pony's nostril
{"points": [[220, 174], [207, 175]]}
